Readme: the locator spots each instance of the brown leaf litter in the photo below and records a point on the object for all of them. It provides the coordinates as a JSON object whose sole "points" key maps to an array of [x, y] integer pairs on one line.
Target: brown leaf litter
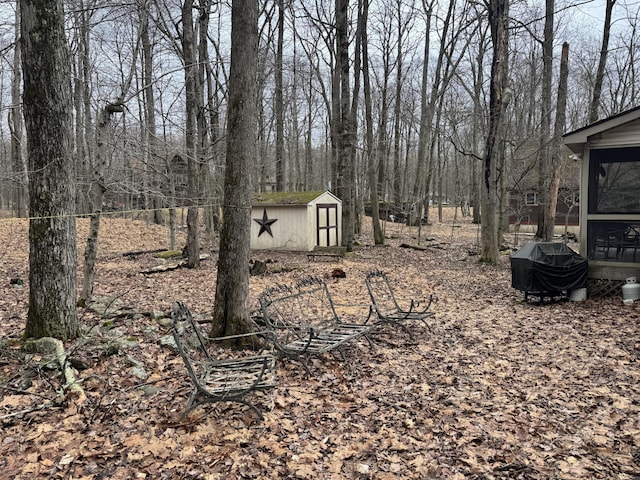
{"points": [[499, 389]]}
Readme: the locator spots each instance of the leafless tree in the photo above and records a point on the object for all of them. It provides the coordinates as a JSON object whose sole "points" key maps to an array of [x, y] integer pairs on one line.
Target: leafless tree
{"points": [[231, 314], [604, 49], [52, 227], [498, 21]]}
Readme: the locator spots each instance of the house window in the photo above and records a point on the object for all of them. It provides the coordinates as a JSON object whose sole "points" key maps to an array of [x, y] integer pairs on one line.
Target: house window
{"points": [[531, 198], [614, 177]]}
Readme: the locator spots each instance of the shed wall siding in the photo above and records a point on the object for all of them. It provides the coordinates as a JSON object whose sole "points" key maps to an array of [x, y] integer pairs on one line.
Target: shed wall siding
{"points": [[290, 231], [296, 225]]}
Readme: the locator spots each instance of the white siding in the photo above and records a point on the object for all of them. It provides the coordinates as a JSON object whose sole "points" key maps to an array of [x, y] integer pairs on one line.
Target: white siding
{"points": [[289, 230], [623, 136]]}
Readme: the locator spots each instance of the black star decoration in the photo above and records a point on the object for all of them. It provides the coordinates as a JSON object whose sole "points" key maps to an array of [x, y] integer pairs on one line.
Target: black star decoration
{"points": [[265, 223]]}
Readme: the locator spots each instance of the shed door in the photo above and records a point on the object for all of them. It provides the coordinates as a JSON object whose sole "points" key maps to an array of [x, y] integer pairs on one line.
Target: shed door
{"points": [[327, 215]]}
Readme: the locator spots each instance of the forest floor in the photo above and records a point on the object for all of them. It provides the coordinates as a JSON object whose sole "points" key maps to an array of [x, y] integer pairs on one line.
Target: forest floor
{"points": [[496, 389]]}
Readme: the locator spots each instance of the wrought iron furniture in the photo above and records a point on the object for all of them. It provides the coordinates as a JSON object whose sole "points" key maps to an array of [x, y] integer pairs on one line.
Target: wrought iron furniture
{"points": [[304, 321], [386, 306], [217, 380]]}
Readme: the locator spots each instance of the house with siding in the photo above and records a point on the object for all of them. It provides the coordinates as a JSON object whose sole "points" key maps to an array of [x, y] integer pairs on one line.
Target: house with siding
{"points": [[609, 153]]}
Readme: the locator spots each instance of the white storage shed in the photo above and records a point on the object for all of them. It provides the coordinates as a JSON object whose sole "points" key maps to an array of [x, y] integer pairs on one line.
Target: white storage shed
{"points": [[298, 221]]}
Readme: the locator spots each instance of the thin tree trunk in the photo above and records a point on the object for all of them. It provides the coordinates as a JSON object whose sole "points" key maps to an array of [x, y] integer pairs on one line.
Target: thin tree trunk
{"points": [[279, 101], [397, 172], [544, 149], [425, 127], [557, 138], [378, 234], [19, 164], [604, 50], [190, 69], [150, 135], [96, 191]]}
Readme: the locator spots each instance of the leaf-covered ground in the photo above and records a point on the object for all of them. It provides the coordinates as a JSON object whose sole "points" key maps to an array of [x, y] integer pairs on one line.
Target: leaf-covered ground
{"points": [[495, 389]]}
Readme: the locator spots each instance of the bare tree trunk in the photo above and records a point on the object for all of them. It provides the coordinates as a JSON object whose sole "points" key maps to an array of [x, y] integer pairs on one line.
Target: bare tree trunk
{"points": [[604, 50], [498, 19], [190, 70], [345, 166], [544, 149], [98, 185], [425, 121], [156, 161], [231, 309], [87, 117], [397, 171], [477, 128], [206, 113], [52, 228], [279, 101], [378, 234], [96, 190], [428, 109], [557, 138], [353, 121], [19, 164]]}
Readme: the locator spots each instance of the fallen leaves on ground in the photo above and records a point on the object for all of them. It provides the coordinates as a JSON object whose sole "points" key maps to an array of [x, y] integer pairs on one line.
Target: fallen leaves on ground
{"points": [[496, 389]]}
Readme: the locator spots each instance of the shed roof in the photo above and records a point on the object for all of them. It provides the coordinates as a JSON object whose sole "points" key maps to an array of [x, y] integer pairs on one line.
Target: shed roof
{"points": [[578, 138], [286, 198]]}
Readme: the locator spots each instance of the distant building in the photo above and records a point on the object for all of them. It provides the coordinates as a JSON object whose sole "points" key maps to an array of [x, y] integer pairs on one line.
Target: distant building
{"points": [[524, 207]]}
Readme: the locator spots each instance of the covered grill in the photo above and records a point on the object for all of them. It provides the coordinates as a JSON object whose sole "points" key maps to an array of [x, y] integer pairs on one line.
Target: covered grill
{"points": [[547, 269]]}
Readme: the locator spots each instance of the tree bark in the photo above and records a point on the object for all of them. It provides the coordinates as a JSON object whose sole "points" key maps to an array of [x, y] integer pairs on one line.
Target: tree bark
{"points": [[231, 310], [96, 190], [345, 162], [342, 117], [52, 228], [378, 234], [398, 173], [545, 224], [19, 164], [279, 101], [190, 71], [498, 19], [602, 62], [556, 152], [424, 134]]}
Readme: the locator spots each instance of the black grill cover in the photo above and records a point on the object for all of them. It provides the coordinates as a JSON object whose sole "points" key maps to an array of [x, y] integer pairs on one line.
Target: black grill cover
{"points": [[547, 267]]}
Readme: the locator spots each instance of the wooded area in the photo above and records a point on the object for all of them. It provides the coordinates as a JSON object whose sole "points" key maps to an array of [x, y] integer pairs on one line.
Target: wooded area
{"points": [[372, 100]]}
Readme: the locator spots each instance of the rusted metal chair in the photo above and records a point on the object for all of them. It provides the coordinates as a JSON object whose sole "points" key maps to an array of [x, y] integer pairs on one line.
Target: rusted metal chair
{"points": [[217, 380]]}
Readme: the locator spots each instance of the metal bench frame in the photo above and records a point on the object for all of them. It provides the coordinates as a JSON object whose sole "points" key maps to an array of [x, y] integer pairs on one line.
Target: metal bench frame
{"points": [[217, 380], [388, 310], [304, 321]]}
